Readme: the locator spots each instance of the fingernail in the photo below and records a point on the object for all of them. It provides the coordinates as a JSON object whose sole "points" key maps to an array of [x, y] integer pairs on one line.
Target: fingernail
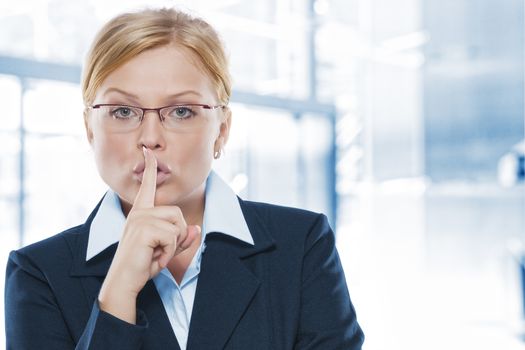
{"points": [[144, 150]]}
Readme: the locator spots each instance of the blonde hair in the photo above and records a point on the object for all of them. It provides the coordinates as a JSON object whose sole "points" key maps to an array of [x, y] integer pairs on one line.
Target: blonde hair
{"points": [[129, 34]]}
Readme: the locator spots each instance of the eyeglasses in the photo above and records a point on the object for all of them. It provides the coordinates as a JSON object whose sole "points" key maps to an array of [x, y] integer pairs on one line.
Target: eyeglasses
{"points": [[122, 118]]}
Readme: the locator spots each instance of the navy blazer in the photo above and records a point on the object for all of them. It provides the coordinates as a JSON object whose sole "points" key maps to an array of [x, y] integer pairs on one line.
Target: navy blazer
{"points": [[288, 291]]}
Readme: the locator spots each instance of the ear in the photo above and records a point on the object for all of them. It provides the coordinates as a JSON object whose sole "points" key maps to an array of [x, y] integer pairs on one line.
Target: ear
{"points": [[225, 126], [87, 125]]}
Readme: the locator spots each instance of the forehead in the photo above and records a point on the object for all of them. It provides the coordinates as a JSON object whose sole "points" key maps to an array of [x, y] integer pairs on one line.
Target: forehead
{"points": [[158, 74]]}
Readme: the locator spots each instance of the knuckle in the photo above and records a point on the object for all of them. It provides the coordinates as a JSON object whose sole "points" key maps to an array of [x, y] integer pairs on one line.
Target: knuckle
{"points": [[175, 230], [177, 211], [176, 216]]}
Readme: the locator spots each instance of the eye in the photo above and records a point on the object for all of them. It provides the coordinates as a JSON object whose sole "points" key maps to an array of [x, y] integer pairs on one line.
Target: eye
{"points": [[181, 112], [123, 112]]}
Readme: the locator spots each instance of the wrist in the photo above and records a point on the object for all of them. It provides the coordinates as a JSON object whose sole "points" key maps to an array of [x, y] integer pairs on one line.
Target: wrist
{"points": [[118, 302]]}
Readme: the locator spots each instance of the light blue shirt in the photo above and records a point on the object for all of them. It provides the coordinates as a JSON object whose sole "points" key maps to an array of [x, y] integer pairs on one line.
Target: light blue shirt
{"points": [[222, 213]]}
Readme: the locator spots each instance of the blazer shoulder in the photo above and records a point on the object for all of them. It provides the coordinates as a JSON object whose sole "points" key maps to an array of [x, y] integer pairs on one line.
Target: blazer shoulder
{"points": [[56, 250], [274, 212], [287, 222], [59, 248]]}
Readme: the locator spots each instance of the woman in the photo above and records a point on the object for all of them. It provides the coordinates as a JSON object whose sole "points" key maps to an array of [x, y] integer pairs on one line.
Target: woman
{"points": [[256, 276]]}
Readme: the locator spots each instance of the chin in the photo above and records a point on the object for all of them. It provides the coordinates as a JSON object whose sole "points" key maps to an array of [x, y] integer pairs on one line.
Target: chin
{"points": [[166, 195]]}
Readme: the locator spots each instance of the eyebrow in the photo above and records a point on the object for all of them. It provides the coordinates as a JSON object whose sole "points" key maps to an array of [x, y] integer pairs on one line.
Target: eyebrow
{"points": [[136, 98]]}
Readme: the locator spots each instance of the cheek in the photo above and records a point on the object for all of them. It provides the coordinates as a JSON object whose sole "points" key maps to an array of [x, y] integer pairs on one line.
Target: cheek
{"points": [[193, 152], [195, 148], [110, 154]]}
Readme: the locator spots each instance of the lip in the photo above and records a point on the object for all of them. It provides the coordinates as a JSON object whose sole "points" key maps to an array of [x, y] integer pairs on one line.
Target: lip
{"points": [[163, 171]]}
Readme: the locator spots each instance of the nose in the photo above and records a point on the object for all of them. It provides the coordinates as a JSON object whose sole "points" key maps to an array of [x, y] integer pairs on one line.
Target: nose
{"points": [[151, 131]]}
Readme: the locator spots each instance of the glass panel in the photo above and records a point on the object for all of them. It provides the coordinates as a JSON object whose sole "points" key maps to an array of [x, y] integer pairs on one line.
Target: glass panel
{"points": [[257, 10], [10, 92], [9, 165], [316, 145], [16, 22], [53, 107], [263, 145], [262, 158], [432, 97], [276, 64], [274, 32], [62, 185], [273, 146]]}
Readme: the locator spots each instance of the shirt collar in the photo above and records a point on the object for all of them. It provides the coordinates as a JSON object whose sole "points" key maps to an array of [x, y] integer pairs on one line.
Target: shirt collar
{"points": [[222, 213]]}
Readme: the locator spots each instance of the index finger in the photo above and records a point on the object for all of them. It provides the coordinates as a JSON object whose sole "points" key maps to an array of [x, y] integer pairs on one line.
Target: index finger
{"points": [[146, 195]]}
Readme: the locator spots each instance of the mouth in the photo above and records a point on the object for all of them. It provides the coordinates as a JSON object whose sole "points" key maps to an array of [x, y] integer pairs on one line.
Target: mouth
{"points": [[163, 171]]}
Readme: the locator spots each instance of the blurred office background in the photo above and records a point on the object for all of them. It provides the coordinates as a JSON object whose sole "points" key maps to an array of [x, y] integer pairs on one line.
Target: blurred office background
{"points": [[402, 120]]}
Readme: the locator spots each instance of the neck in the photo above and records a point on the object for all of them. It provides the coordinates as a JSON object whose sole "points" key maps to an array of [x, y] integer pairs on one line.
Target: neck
{"points": [[192, 206]]}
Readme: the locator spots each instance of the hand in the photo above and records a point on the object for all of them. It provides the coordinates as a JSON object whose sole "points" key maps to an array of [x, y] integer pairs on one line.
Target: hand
{"points": [[152, 237]]}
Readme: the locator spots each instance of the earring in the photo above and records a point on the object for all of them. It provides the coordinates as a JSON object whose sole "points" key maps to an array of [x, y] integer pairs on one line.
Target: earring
{"points": [[217, 154]]}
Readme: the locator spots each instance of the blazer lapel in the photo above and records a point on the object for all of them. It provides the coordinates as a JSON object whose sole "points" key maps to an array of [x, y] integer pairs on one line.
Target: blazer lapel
{"points": [[160, 334], [226, 286], [90, 273], [224, 290]]}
